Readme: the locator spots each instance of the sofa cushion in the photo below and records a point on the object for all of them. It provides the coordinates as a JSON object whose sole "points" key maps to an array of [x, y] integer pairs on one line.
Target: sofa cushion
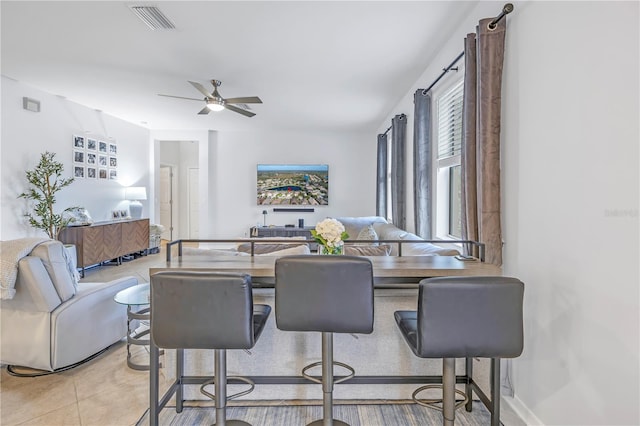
{"points": [[353, 225], [301, 249], [362, 250], [263, 248], [427, 249], [388, 231], [55, 262]]}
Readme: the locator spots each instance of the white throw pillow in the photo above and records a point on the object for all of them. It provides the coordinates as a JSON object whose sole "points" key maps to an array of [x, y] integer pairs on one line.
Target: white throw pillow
{"points": [[368, 233], [303, 249]]}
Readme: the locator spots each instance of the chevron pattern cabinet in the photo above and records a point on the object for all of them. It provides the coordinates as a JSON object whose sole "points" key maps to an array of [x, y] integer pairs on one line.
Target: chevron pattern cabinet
{"points": [[104, 241]]}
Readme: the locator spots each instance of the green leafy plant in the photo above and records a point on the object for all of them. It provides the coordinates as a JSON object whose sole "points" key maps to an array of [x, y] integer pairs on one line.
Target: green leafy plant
{"points": [[45, 180]]}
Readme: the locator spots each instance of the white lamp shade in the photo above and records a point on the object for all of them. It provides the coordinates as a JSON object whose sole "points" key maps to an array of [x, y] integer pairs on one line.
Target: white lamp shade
{"points": [[135, 193]]}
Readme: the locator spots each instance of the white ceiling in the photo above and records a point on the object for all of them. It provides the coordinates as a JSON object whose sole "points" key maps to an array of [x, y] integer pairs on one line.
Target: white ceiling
{"points": [[315, 65]]}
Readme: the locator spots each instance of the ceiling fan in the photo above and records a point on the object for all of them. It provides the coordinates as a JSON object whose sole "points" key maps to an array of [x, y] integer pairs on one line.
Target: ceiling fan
{"points": [[215, 102]]}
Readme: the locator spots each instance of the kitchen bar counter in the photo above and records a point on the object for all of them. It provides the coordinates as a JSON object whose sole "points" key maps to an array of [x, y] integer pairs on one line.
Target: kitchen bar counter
{"points": [[385, 367]]}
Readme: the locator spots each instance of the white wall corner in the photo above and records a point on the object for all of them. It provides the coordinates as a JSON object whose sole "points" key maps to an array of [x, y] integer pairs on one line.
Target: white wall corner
{"points": [[525, 414]]}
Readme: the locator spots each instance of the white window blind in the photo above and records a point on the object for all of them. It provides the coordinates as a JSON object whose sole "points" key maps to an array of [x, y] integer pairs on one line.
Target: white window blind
{"points": [[450, 122]]}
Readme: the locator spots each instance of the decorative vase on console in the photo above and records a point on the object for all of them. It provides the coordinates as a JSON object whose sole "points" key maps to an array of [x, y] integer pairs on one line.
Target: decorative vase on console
{"points": [[330, 235]]}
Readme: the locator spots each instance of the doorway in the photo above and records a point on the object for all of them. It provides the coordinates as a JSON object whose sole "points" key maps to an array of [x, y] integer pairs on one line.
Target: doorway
{"points": [[194, 202], [167, 184]]}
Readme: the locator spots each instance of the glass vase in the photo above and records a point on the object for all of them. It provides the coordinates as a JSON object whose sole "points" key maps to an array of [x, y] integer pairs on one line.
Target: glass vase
{"points": [[324, 250]]}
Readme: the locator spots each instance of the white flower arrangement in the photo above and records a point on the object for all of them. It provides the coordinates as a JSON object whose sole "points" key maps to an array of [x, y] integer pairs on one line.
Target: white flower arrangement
{"points": [[330, 234]]}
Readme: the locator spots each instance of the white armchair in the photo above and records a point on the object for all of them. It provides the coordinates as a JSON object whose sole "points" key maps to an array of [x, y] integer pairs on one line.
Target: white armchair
{"points": [[52, 322]]}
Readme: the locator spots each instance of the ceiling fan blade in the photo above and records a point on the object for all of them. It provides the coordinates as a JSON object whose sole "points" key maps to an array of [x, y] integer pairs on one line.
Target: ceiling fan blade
{"points": [[180, 97], [201, 89], [246, 100], [239, 111], [204, 111]]}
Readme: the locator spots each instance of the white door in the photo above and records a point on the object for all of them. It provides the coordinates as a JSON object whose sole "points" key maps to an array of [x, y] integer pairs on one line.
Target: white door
{"points": [[166, 201], [194, 203]]}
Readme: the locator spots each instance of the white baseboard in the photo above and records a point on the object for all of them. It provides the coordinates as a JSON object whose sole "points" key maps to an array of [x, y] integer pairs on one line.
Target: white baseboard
{"points": [[522, 411]]}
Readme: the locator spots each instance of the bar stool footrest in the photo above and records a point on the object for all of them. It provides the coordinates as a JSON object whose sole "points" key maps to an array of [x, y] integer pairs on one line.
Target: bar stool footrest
{"points": [[431, 403], [319, 381], [229, 397], [321, 423]]}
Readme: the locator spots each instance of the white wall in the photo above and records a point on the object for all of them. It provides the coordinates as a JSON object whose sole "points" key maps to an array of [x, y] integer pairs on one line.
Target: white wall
{"points": [[228, 175], [351, 159], [26, 134], [571, 207], [570, 203]]}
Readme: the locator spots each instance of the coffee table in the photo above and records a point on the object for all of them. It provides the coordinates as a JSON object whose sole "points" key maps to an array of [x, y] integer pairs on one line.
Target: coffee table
{"points": [[135, 297]]}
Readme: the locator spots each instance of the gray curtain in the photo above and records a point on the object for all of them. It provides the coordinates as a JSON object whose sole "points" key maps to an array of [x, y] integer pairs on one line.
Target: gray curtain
{"points": [[398, 171], [381, 177], [481, 138], [422, 164]]}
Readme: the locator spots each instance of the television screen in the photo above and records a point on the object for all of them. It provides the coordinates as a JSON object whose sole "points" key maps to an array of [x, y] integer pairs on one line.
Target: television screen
{"points": [[293, 184]]}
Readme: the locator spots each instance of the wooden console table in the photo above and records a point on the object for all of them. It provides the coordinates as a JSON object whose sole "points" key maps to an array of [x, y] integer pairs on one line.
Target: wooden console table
{"points": [[104, 241]]}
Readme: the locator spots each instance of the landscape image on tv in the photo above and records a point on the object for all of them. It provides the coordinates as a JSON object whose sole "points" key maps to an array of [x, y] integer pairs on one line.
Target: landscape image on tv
{"points": [[288, 184]]}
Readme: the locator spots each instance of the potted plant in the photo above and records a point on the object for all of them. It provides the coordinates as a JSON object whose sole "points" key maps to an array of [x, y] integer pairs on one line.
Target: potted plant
{"points": [[46, 181]]}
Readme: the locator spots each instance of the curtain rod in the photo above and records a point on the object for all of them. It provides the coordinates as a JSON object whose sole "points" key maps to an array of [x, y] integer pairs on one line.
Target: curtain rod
{"points": [[506, 9], [390, 127]]}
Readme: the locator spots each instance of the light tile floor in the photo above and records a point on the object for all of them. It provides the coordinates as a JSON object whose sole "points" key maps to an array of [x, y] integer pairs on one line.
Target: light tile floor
{"points": [[104, 391]]}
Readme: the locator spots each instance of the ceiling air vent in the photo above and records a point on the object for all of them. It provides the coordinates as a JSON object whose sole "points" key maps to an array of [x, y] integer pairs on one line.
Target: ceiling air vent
{"points": [[153, 17]]}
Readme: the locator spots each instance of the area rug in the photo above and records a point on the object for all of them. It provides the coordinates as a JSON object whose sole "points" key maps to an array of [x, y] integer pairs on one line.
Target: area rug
{"points": [[354, 415]]}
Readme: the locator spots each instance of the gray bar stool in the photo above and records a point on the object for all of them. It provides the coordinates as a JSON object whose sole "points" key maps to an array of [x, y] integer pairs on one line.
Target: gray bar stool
{"points": [[327, 294], [465, 317], [202, 310]]}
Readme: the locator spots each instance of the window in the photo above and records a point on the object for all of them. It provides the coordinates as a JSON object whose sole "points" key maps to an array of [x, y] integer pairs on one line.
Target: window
{"points": [[448, 170]]}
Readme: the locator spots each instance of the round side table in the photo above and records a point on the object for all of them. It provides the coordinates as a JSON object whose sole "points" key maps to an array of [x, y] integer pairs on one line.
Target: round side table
{"points": [[134, 297]]}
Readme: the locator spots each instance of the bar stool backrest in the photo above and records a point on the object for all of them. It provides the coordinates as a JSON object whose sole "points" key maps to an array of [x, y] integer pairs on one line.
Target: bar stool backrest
{"points": [[470, 317], [201, 310], [324, 293]]}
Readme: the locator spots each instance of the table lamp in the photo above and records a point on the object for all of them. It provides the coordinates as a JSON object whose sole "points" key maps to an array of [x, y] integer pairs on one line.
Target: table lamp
{"points": [[264, 214], [134, 194]]}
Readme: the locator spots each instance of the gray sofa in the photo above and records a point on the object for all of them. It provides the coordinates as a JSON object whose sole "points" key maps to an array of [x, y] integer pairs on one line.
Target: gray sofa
{"points": [[388, 231], [53, 322]]}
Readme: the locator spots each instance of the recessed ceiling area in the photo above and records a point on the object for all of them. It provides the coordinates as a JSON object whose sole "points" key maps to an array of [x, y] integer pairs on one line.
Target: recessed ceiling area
{"points": [[315, 65]]}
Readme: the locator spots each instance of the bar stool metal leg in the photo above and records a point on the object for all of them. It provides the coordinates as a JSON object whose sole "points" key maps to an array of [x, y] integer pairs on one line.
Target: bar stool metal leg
{"points": [[327, 384], [495, 391], [448, 391], [220, 371]]}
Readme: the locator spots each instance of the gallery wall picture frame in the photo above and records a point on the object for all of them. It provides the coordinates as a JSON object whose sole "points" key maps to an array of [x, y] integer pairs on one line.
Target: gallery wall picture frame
{"points": [[92, 144], [113, 162], [102, 146], [113, 149], [102, 174], [92, 173], [102, 160], [78, 172], [78, 142], [113, 174], [91, 158], [78, 156]]}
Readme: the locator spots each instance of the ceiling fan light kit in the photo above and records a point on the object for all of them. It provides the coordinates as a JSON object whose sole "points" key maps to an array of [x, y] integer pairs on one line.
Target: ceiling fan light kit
{"points": [[215, 105], [215, 102]]}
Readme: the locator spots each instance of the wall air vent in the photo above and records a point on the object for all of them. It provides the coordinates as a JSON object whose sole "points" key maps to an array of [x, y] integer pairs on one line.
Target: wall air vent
{"points": [[152, 17]]}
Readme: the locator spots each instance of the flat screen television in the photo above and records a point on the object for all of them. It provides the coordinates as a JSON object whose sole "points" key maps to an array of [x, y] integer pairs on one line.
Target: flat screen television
{"points": [[293, 184]]}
